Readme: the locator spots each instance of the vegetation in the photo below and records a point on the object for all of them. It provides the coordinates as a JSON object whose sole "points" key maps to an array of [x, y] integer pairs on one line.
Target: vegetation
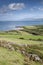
{"points": [[16, 45], [10, 57]]}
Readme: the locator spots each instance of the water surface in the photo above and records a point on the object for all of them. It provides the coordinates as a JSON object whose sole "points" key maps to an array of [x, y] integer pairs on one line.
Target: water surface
{"points": [[10, 25]]}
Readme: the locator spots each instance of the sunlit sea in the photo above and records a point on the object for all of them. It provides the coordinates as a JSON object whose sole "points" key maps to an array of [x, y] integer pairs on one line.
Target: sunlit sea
{"points": [[10, 25]]}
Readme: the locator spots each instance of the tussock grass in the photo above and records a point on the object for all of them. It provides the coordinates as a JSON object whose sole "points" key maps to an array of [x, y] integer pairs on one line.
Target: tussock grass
{"points": [[26, 41]]}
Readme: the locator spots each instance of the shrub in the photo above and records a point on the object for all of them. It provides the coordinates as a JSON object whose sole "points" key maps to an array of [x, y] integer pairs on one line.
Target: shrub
{"points": [[39, 39], [21, 38]]}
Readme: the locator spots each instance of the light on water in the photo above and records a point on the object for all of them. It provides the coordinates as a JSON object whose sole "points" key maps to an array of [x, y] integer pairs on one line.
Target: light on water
{"points": [[10, 25]]}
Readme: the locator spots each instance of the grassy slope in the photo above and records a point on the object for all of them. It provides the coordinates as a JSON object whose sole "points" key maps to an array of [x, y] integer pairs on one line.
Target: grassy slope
{"points": [[10, 57], [26, 34], [13, 57]]}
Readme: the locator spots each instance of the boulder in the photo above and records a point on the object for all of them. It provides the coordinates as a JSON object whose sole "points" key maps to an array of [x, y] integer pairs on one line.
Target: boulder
{"points": [[34, 57]]}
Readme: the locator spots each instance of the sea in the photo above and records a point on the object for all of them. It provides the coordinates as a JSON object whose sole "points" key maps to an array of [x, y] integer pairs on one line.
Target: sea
{"points": [[10, 25]]}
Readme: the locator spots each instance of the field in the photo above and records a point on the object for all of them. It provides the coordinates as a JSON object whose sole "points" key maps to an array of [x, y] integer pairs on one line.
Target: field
{"points": [[28, 40]]}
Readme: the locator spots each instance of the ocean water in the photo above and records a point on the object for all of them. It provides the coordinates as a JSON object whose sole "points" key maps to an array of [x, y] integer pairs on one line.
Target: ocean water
{"points": [[10, 25]]}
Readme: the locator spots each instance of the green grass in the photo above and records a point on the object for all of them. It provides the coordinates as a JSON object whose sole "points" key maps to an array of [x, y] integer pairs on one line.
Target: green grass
{"points": [[24, 36], [10, 57], [26, 33], [14, 58]]}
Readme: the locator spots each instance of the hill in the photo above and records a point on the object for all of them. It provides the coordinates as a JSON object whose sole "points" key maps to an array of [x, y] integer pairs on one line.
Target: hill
{"points": [[22, 46]]}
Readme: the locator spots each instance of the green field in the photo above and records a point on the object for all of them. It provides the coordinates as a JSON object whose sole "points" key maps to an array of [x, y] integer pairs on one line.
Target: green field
{"points": [[30, 35], [33, 33]]}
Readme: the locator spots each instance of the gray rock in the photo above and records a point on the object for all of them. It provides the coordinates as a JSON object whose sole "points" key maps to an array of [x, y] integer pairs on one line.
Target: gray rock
{"points": [[34, 57]]}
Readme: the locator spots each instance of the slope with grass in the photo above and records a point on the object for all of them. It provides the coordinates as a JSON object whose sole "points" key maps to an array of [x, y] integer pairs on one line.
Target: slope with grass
{"points": [[15, 57], [33, 33], [10, 57], [29, 40]]}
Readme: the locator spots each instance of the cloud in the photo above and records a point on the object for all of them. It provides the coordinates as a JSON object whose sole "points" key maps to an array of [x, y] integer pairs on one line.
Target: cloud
{"points": [[12, 6], [41, 9], [16, 6], [3, 9], [36, 8]]}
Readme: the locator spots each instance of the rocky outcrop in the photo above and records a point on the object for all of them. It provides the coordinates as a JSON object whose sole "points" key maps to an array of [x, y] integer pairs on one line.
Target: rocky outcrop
{"points": [[35, 57], [21, 48]]}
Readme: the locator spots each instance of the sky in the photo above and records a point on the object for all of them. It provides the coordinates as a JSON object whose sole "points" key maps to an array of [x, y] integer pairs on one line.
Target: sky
{"points": [[17, 10]]}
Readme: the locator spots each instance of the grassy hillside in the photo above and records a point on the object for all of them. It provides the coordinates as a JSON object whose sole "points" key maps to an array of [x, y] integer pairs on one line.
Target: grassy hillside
{"points": [[33, 33], [10, 57], [16, 45]]}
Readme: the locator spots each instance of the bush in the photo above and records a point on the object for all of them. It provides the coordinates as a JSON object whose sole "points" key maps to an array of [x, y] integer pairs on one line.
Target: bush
{"points": [[21, 38], [39, 39]]}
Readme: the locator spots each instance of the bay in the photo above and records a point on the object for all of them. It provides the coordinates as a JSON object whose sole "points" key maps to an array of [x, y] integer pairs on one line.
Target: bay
{"points": [[10, 25]]}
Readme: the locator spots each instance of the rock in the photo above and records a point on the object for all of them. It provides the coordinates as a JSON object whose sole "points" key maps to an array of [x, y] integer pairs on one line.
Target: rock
{"points": [[12, 49], [34, 57], [23, 52], [4, 46]]}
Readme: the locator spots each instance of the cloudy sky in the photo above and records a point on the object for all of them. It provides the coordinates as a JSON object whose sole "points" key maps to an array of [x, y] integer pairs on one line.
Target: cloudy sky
{"points": [[17, 10]]}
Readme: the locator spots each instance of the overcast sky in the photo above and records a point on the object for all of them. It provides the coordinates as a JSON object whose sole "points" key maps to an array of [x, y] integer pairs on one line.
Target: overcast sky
{"points": [[15, 10]]}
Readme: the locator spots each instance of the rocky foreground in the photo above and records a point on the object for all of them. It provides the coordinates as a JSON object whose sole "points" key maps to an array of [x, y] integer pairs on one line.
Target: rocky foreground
{"points": [[30, 52]]}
